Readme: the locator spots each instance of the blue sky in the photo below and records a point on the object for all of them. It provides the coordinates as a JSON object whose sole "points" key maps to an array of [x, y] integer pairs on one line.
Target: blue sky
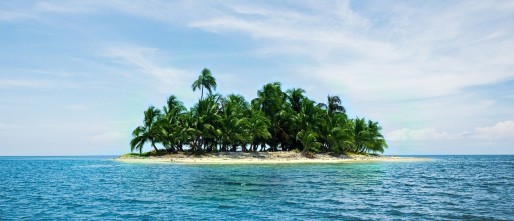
{"points": [[75, 76]]}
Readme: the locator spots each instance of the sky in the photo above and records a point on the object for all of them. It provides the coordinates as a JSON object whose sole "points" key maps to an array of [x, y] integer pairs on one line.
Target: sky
{"points": [[76, 76]]}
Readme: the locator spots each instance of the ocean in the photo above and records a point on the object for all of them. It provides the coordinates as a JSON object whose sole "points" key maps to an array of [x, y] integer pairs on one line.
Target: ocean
{"points": [[98, 188]]}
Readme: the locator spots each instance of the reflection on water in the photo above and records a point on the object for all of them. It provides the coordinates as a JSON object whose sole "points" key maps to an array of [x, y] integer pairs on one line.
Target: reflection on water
{"points": [[453, 187]]}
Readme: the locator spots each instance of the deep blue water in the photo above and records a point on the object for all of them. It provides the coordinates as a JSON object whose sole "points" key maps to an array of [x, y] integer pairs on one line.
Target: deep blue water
{"points": [[63, 188]]}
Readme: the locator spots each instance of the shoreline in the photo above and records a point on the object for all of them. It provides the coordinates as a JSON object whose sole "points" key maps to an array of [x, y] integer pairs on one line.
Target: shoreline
{"points": [[262, 158]]}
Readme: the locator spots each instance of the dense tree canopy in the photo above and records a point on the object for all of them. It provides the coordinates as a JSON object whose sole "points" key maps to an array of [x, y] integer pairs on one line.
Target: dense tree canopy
{"points": [[276, 120]]}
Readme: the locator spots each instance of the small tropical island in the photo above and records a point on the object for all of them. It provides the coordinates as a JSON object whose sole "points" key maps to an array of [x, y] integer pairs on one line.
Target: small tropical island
{"points": [[276, 127]]}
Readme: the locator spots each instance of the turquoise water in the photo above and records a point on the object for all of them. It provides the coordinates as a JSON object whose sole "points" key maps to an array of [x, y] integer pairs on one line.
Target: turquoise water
{"points": [[63, 188]]}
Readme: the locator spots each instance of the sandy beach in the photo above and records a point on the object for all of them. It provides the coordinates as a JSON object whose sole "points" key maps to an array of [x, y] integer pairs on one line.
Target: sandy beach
{"points": [[262, 158]]}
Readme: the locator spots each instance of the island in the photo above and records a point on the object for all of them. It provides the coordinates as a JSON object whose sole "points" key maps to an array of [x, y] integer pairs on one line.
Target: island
{"points": [[275, 127], [280, 157]]}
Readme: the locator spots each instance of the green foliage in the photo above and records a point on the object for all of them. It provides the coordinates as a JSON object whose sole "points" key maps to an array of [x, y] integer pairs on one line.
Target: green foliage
{"points": [[309, 140], [149, 132], [172, 125], [274, 121], [205, 80]]}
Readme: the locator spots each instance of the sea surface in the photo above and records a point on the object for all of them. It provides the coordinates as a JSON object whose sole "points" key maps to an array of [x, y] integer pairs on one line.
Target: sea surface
{"points": [[98, 188]]}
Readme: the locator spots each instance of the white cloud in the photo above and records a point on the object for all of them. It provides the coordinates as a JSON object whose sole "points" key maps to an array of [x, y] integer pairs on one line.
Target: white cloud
{"points": [[500, 131], [417, 134]]}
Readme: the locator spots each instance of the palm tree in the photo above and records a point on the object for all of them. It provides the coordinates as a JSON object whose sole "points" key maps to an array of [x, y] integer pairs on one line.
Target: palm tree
{"points": [[304, 119], [271, 101], [149, 132], [257, 129], [339, 134], [295, 97], [205, 80], [173, 106], [206, 113], [172, 124], [376, 141], [308, 138], [368, 137], [333, 105], [275, 120], [233, 112]]}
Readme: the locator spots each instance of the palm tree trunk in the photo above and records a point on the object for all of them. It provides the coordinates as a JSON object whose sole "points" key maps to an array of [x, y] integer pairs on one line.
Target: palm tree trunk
{"points": [[155, 148]]}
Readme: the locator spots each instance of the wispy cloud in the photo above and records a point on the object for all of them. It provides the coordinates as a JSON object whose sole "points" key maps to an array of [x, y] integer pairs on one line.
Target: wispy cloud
{"points": [[13, 15], [349, 49], [146, 61], [24, 83], [69, 7]]}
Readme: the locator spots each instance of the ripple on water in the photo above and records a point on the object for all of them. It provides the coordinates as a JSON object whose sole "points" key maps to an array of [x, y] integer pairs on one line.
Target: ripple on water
{"points": [[452, 187]]}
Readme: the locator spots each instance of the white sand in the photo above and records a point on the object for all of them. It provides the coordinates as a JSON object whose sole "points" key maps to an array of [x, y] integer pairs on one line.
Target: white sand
{"points": [[263, 158]]}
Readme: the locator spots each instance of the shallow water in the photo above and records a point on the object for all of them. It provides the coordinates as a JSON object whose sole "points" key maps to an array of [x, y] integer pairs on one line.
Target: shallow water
{"points": [[451, 187]]}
